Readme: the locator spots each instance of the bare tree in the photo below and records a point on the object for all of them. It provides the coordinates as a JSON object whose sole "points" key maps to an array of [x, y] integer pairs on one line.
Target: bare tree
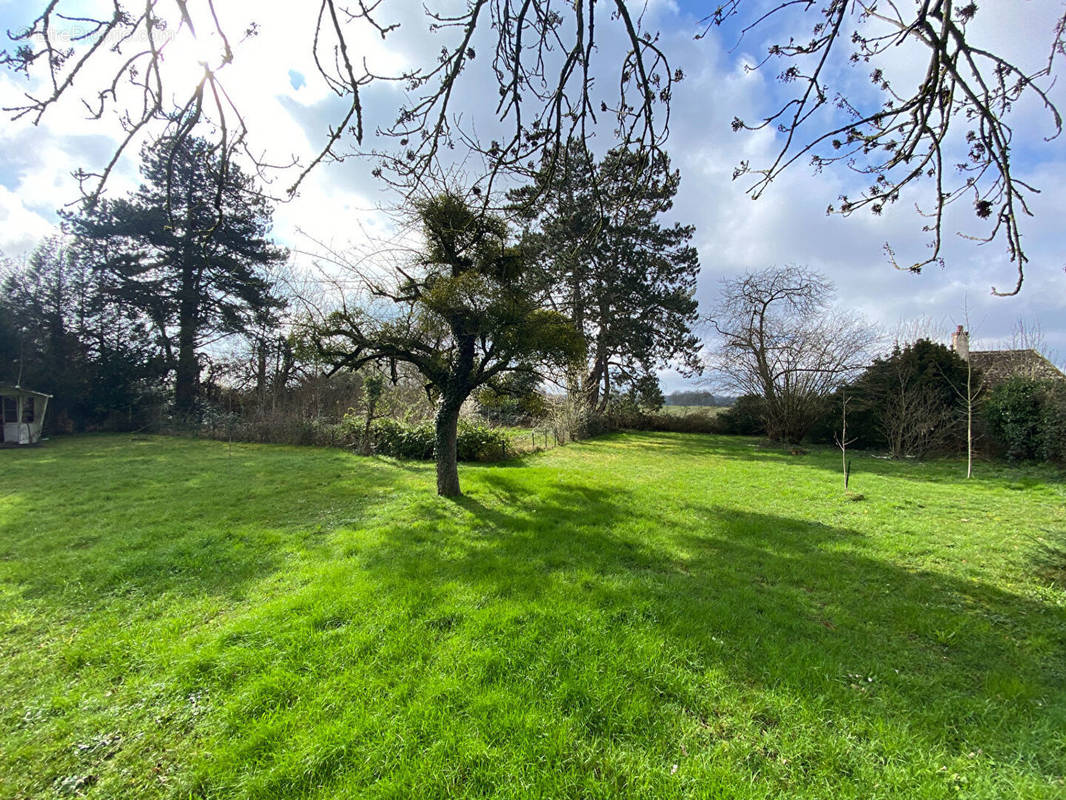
{"points": [[914, 418], [922, 327], [781, 340], [842, 441], [1030, 336], [543, 57], [974, 388]]}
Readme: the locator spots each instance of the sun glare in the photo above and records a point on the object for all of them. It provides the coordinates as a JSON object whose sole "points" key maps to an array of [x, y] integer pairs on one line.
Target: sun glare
{"points": [[186, 56]]}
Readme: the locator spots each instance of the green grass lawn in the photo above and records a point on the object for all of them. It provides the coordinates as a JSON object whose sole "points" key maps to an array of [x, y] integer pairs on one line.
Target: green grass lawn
{"points": [[647, 615]]}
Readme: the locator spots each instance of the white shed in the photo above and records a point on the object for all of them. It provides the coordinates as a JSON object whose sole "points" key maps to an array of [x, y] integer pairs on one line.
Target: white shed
{"points": [[22, 414]]}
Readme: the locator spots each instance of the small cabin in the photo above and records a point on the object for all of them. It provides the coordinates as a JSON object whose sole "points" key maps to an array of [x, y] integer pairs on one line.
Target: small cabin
{"points": [[21, 415]]}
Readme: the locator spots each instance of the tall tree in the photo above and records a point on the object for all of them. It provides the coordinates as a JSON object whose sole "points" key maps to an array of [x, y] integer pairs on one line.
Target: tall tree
{"points": [[67, 337], [781, 341], [469, 312], [626, 279], [188, 250], [49, 301]]}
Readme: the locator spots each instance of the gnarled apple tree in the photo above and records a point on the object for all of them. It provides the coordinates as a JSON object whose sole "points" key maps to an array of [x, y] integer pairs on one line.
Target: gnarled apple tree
{"points": [[467, 313]]}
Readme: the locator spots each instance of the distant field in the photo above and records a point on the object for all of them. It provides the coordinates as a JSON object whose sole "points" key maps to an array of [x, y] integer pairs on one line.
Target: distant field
{"points": [[638, 616], [682, 410]]}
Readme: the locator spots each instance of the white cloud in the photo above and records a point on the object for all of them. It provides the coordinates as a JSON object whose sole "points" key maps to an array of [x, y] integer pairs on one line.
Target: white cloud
{"points": [[341, 203], [20, 228]]}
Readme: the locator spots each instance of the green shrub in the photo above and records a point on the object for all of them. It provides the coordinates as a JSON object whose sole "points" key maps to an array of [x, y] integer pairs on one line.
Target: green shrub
{"points": [[475, 442], [745, 417], [272, 428], [396, 439], [1027, 420], [908, 402], [1054, 447], [694, 422], [514, 400]]}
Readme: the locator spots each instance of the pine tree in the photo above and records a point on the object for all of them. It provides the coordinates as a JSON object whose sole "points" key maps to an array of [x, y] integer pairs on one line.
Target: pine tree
{"points": [[64, 335], [625, 279], [188, 250]]}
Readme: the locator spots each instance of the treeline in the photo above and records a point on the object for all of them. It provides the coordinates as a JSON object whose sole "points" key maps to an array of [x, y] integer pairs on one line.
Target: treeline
{"points": [[64, 332], [807, 371], [921, 400], [173, 309], [911, 403]]}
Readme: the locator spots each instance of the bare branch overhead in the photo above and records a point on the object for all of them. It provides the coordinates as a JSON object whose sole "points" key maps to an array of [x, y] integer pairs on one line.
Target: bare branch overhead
{"points": [[948, 138]]}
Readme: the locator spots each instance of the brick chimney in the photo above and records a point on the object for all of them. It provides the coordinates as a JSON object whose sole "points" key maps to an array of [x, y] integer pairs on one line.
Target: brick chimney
{"points": [[960, 343]]}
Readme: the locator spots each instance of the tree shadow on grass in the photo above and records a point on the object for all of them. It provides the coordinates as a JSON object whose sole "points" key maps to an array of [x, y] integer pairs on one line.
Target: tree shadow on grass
{"points": [[788, 609], [825, 458], [1050, 558], [613, 622]]}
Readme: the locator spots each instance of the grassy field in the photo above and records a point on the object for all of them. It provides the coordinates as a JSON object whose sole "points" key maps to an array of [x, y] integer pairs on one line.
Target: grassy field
{"points": [[639, 616], [681, 411]]}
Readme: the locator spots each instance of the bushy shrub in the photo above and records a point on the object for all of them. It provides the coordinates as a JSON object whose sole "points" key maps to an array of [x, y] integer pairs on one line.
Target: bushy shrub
{"points": [[475, 442], [702, 421], [571, 419], [514, 400], [908, 403], [261, 427], [745, 417], [351, 429], [622, 413], [1055, 424], [1027, 420], [399, 440], [568, 417]]}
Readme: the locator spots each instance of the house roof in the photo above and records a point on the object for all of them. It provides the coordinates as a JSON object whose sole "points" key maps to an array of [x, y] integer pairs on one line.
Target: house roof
{"points": [[1000, 365], [8, 389]]}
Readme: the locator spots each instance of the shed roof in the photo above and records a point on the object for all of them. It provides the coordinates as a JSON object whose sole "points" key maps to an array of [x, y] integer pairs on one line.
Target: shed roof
{"points": [[8, 389]]}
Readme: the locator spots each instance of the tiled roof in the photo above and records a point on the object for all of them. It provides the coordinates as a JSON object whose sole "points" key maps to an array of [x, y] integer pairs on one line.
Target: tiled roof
{"points": [[1000, 365]]}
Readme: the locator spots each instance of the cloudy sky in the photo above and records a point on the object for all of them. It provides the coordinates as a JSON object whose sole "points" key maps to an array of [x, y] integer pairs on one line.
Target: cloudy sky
{"points": [[289, 108]]}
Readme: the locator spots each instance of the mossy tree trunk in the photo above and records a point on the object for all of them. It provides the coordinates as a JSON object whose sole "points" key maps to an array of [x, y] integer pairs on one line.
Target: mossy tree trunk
{"points": [[453, 394], [447, 448]]}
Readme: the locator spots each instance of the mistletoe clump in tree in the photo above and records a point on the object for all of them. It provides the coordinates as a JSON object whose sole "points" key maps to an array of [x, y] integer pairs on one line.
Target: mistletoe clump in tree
{"points": [[625, 279], [470, 312], [189, 250]]}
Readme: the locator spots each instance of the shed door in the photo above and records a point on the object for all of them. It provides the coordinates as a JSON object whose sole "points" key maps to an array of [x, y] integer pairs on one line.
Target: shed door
{"points": [[10, 412]]}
